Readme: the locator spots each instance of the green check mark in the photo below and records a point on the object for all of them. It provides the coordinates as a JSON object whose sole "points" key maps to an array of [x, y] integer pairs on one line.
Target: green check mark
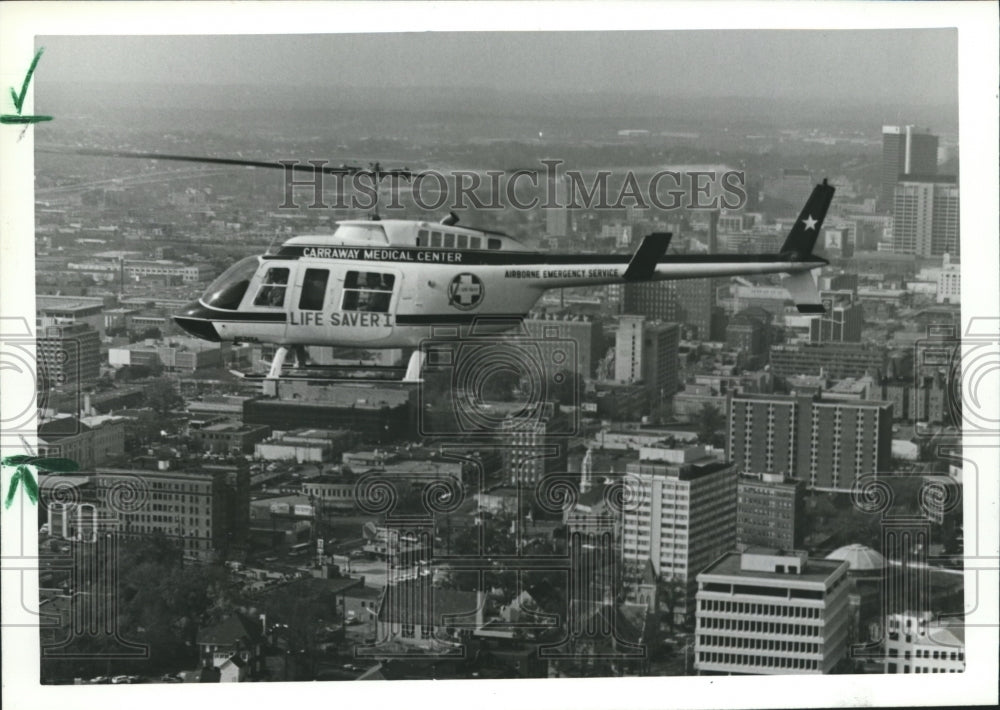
{"points": [[19, 98]]}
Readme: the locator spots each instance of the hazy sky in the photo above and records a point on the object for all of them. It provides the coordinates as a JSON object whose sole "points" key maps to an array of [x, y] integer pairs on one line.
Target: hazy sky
{"points": [[919, 66]]}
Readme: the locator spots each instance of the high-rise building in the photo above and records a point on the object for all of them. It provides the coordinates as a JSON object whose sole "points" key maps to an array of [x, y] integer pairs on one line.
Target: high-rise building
{"points": [[557, 221], [842, 322], [795, 185], [535, 448], [648, 352], [905, 150], [68, 354], [766, 612], [916, 643], [689, 302], [60, 310], [684, 519], [567, 343], [769, 511], [827, 444], [925, 219]]}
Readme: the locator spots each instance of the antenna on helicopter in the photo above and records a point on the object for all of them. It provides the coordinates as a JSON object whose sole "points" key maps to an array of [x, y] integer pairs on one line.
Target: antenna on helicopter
{"points": [[273, 239]]}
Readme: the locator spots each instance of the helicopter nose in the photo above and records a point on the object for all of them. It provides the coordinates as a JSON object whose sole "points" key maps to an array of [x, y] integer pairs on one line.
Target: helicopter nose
{"points": [[196, 320]]}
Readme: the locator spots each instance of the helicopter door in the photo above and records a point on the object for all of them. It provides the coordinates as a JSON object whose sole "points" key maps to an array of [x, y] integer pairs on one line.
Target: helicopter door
{"points": [[310, 305], [365, 302]]}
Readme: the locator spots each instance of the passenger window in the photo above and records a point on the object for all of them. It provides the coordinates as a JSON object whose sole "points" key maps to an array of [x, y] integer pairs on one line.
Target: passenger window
{"points": [[477, 243], [449, 241], [314, 289], [493, 243], [463, 241], [435, 239], [272, 291], [422, 238], [367, 291]]}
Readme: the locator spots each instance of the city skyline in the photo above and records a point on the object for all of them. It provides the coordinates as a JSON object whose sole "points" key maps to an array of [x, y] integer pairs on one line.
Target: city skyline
{"points": [[699, 477]]}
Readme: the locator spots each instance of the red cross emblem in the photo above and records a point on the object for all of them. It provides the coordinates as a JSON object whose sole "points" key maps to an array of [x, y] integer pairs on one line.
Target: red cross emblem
{"points": [[465, 291]]}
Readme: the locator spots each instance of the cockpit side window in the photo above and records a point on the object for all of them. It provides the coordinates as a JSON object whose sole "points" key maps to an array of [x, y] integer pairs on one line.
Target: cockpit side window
{"points": [[272, 291], [228, 289]]}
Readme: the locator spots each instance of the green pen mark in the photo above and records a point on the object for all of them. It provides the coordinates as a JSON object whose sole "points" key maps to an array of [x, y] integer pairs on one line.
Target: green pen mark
{"points": [[24, 475], [19, 98]]}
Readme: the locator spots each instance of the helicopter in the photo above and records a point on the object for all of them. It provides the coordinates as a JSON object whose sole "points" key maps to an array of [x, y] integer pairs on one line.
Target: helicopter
{"points": [[395, 283]]}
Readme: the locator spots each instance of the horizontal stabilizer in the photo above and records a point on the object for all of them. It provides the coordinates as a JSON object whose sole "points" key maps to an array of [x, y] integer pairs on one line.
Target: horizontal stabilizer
{"points": [[643, 263], [802, 238], [802, 288]]}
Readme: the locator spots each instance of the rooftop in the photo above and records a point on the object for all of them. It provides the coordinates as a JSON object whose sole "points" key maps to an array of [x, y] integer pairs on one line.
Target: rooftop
{"points": [[858, 557], [400, 604], [814, 570]]}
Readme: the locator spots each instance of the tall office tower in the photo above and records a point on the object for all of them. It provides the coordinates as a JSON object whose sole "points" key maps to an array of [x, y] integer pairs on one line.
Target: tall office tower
{"points": [[713, 231], [905, 150], [689, 302], [769, 508], [68, 354], [842, 322], [557, 221], [567, 343], [926, 216], [535, 448], [766, 612], [648, 352], [826, 443], [686, 517]]}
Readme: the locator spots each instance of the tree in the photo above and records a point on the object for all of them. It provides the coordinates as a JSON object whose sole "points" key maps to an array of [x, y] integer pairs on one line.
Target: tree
{"points": [[141, 431], [303, 608], [671, 592], [162, 396], [710, 425]]}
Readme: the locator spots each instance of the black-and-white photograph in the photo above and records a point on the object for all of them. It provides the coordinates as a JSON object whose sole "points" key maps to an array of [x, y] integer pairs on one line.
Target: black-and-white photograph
{"points": [[498, 355]]}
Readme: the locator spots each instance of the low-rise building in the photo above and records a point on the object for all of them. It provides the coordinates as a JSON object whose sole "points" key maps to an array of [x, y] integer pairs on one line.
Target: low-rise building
{"points": [[302, 445], [89, 441], [414, 613], [916, 643], [178, 354], [230, 437], [770, 612], [235, 646]]}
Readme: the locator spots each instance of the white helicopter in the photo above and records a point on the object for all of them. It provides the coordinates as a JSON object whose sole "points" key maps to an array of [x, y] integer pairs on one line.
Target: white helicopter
{"points": [[394, 283]]}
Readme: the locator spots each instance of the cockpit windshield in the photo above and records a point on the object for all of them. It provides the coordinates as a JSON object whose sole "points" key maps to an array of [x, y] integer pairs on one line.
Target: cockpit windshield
{"points": [[227, 290]]}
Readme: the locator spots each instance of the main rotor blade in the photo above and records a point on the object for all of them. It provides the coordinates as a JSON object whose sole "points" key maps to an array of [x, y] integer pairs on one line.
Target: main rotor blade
{"points": [[304, 166]]}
